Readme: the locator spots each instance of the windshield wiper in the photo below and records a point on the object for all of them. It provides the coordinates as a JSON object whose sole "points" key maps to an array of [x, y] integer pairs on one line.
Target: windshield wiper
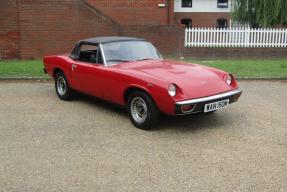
{"points": [[144, 59]]}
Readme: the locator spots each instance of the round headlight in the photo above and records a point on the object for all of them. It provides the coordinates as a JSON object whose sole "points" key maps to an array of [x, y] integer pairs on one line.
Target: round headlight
{"points": [[229, 79], [172, 90]]}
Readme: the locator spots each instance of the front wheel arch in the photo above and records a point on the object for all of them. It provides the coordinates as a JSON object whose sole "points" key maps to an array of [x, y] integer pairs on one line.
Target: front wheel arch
{"points": [[153, 113], [130, 90]]}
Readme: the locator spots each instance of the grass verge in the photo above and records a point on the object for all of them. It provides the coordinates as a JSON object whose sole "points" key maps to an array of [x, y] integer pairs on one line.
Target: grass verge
{"points": [[240, 68], [275, 68], [22, 68]]}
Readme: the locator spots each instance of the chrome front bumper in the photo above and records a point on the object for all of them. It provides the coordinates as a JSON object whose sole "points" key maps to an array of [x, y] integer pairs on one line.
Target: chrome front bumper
{"points": [[200, 102]]}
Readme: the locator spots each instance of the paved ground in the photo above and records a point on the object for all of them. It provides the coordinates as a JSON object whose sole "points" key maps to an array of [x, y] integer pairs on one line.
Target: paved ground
{"points": [[50, 145]]}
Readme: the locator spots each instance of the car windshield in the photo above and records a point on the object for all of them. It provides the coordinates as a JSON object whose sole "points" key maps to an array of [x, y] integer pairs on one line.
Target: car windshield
{"points": [[127, 51]]}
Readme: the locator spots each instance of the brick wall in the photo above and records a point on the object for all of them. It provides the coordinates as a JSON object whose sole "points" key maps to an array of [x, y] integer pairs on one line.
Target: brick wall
{"points": [[168, 39], [9, 30], [133, 12], [54, 26]]}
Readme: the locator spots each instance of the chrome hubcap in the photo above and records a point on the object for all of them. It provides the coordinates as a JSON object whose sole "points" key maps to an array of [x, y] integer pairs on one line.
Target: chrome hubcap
{"points": [[61, 85], [138, 109]]}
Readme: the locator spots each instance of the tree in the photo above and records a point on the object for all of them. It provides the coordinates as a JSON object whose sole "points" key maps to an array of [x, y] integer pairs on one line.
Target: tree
{"points": [[261, 13]]}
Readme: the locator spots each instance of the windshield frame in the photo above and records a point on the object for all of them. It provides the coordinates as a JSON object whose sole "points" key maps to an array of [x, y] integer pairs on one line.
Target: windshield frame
{"points": [[103, 55], [108, 65]]}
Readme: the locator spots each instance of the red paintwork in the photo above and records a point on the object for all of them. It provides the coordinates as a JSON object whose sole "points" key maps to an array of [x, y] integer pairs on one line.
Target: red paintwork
{"points": [[111, 83]]}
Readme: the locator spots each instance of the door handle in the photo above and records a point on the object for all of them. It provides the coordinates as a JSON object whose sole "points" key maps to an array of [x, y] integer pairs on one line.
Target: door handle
{"points": [[74, 66]]}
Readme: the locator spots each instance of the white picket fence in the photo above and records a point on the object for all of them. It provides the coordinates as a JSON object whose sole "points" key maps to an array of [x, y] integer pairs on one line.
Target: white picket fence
{"points": [[235, 37]]}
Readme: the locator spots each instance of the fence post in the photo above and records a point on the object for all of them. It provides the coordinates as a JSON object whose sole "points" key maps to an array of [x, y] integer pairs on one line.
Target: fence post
{"points": [[232, 37], [273, 37], [241, 36], [263, 37], [185, 37], [247, 36], [267, 37], [204, 37], [279, 38], [224, 37], [207, 37], [201, 37], [251, 37]]}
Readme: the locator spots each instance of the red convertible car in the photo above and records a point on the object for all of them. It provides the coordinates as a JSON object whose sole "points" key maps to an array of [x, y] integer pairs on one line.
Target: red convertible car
{"points": [[131, 72]]}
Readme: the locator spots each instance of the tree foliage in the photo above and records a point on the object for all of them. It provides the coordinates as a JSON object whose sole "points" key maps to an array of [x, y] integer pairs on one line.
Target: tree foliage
{"points": [[261, 13]]}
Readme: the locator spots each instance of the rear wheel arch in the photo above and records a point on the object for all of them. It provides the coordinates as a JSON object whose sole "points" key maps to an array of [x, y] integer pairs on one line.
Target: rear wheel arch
{"points": [[63, 89], [56, 71]]}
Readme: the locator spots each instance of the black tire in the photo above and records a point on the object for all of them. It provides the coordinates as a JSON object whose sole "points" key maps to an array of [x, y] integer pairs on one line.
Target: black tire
{"points": [[152, 113], [64, 93]]}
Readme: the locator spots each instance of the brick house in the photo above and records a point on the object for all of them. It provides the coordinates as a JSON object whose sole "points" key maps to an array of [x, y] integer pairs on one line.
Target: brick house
{"points": [[203, 13]]}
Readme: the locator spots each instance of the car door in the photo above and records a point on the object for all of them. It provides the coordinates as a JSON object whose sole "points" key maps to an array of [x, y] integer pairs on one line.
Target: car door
{"points": [[87, 78], [87, 73]]}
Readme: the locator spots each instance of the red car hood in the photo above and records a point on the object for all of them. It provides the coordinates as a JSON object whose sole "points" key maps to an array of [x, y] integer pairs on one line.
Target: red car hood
{"points": [[195, 81]]}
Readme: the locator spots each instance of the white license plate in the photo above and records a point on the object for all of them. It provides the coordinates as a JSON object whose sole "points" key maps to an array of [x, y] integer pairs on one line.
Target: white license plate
{"points": [[216, 105]]}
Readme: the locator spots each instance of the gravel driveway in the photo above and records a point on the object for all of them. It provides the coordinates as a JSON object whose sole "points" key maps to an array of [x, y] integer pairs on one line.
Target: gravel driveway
{"points": [[85, 145]]}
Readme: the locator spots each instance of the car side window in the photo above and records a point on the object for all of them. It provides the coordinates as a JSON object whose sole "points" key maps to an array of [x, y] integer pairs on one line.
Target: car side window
{"points": [[90, 54]]}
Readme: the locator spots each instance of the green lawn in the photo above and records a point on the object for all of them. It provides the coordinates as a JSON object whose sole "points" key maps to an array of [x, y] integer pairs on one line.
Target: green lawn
{"points": [[248, 68], [19, 68], [241, 68]]}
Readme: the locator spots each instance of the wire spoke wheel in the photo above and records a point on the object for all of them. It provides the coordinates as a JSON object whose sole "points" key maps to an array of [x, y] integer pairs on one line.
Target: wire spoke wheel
{"points": [[138, 109]]}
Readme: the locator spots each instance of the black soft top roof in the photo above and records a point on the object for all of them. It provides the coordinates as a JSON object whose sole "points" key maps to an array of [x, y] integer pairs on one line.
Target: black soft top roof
{"points": [[101, 40]]}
